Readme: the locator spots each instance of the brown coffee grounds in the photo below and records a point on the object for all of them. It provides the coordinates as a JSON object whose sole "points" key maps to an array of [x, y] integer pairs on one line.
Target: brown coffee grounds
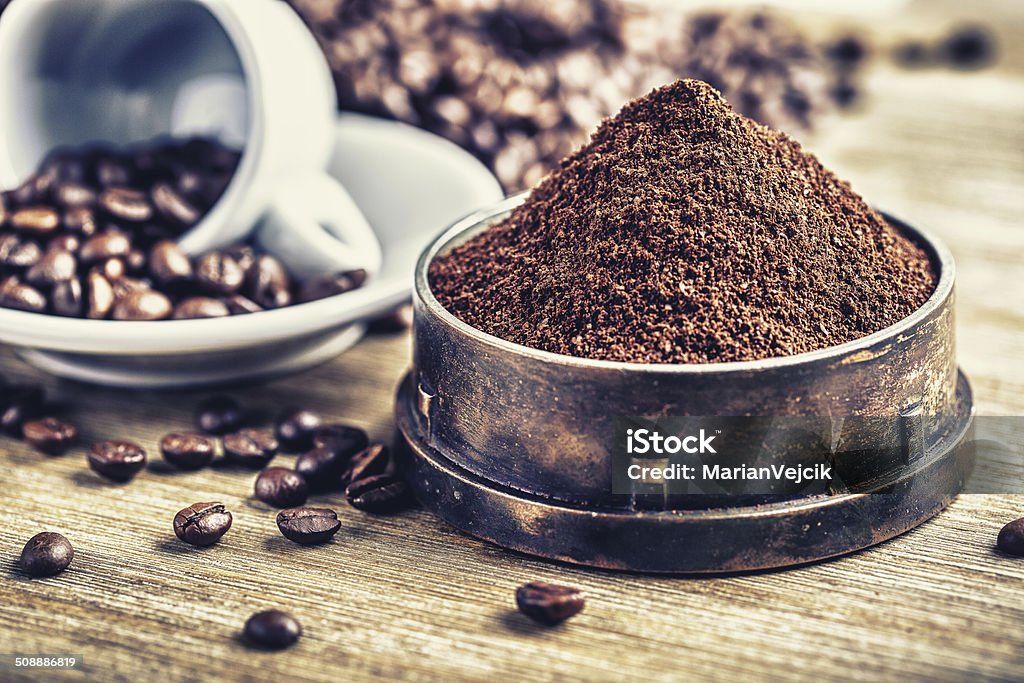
{"points": [[686, 233]]}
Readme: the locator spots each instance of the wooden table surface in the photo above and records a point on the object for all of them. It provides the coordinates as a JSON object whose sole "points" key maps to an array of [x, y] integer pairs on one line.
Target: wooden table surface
{"points": [[407, 597]]}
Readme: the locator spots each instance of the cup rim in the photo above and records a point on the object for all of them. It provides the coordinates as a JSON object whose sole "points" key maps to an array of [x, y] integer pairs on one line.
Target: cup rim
{"points": [[941, 257]]}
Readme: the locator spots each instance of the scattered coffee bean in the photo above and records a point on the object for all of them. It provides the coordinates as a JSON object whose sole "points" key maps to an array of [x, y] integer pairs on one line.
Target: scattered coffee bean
{"points": [[188, 451], [379, 494], [370, 462], [219, 414], [345, 440], [46, 554], [20, 403], [281, 487], [308, 526], [200, 307], [252, 448], [549, 603], [273, 629], [969, 47], [322, 468], [331, 285], [398, 320], [118, 461], [202, 524], [1011, 538], [295, 429], [49, 435]]}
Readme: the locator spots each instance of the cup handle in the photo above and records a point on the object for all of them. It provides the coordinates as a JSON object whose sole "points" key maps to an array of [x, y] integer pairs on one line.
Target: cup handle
{"points": [[315, 227]]}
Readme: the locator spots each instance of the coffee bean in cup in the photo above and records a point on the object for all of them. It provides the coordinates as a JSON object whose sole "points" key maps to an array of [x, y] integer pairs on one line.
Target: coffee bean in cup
{"points": [[46, 554], [93, 234], [308, 526], [202, 524]]}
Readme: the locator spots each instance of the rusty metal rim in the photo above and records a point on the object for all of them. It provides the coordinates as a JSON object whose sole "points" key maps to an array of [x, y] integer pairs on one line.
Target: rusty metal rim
{"points": [[480, 220], [691, 541]]}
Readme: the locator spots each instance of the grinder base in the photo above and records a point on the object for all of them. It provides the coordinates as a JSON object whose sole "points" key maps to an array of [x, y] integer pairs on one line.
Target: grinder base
{"points": [[684, 541]]}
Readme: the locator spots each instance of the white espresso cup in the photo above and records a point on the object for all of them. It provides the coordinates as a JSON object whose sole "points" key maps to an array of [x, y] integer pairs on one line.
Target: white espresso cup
{"points": [[245, 72]]}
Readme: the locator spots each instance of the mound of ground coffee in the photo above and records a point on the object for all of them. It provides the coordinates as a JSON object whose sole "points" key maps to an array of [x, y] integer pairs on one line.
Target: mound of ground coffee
{"points": [[686, 233]]}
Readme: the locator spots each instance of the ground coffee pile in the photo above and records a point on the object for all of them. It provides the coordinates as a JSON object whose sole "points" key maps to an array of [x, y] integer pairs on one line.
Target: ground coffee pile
{"points": [[686, 233]]}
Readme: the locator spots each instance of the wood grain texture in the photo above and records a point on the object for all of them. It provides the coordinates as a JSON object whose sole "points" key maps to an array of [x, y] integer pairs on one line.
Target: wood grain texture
{"points": [[408, 598]]}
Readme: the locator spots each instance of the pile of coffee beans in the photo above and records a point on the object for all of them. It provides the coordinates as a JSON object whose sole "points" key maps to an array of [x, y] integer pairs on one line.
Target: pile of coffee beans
{"points": [[92, 235], [521, 83]]}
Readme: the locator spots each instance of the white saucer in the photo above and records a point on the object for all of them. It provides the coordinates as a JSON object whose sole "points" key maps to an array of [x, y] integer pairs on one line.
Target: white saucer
{"points": [[410, 184]]}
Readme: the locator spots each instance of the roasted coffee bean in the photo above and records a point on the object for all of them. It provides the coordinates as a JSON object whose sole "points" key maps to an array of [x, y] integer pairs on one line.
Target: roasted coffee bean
{"points": [[202, 524], [142, 304], [113, 269], [168, 263], [549, 603], [118, 461], [281, 487], [379, 494], [111, 172], [72, 194], [267, 283], [20, 403], [106, 245], [39, 220], [240, 305], [17, 295], [252, 448], [295, 429], [345, 440], [101, 296], [244, 255], [135, 262], [218, 273], [200, 307], [331, 285], [18, 253], [64, 242], [46, 554], [322, 468], [308, 526], [219, 414], [273, 630], [188, 451], [55, 266], [1011, 538], [126, 204], [67, 299], [369, 462], [123, 286], [80, 220], [173, 206], [49, 435]]}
